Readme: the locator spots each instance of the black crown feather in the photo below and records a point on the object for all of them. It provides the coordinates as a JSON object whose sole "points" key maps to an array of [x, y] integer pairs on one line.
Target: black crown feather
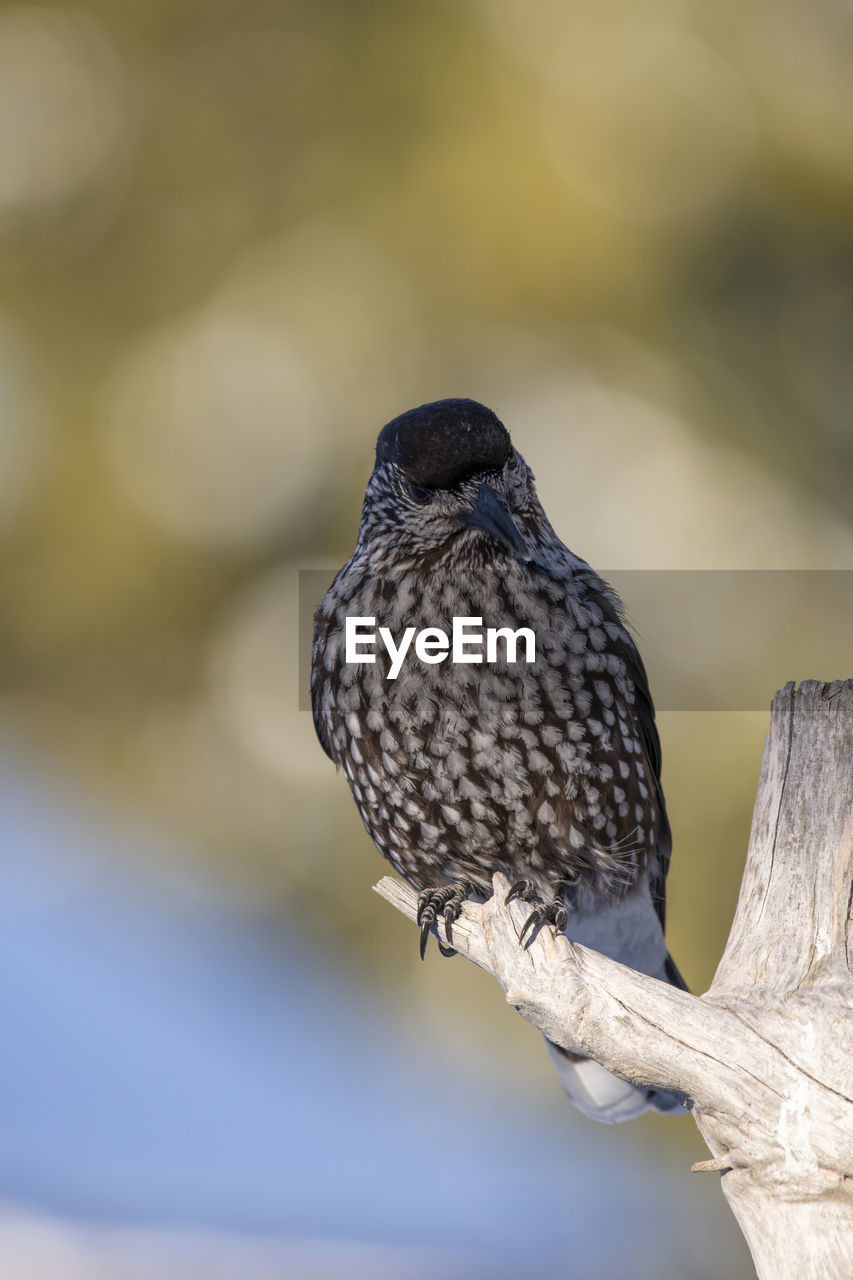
{"points": [[440, 444]]}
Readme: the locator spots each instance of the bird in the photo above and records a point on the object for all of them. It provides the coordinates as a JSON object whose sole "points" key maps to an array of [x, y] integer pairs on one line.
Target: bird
{"points": [[548, 771]]}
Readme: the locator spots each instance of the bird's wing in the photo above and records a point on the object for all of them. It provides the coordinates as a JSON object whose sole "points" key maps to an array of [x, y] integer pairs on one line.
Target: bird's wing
{"points": [[650, 740], [319, 676], [320, 728], [644, 711], [609, 751]]}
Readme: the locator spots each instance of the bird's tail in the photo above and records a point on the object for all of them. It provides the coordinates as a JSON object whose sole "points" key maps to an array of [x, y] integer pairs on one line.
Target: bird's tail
{"points": [[630, 930], [604, 1097]]}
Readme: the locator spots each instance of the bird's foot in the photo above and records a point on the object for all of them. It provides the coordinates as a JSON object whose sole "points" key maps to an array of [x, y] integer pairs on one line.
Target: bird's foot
{"points": [[553, 912], [447, 902]]}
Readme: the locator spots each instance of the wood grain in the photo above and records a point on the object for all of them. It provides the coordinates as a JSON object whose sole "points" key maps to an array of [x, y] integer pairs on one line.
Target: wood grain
{"points": [[766, 1054]]}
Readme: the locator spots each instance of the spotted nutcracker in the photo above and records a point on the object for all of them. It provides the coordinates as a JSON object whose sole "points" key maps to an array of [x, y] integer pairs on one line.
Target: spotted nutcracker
{"points": [[546, 770]]}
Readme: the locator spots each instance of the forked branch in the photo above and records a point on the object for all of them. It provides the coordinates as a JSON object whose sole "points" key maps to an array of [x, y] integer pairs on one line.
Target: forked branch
{"points": [[766, 1054]]}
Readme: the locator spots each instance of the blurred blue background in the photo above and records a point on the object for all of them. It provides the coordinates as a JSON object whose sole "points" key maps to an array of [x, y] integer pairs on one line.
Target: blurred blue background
{"points": [[235, 239], [177, 1062]]}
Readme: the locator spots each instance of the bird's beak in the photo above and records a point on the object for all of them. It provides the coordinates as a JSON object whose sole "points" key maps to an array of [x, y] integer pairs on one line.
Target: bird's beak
{"points": [[492, 514]]}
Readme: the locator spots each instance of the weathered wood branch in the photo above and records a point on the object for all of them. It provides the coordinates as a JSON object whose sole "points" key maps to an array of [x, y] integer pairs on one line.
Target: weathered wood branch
{"points": [[766, 1054]]}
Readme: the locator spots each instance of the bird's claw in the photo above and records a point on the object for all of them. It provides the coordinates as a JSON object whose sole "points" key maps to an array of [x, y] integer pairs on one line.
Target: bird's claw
{"points": [[523, 889], [531, 923], [426, 925], [554, 913], [448, 900]]}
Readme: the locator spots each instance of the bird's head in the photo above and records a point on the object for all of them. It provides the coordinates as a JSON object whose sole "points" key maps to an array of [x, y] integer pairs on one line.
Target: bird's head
{"points": [[448, 471]]}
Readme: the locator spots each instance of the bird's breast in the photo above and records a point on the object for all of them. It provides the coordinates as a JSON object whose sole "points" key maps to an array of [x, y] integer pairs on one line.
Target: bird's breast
{"points": [[462, 766]]}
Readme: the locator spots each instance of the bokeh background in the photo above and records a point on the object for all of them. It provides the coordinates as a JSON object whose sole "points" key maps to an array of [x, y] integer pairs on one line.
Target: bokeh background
{"points": [[235, 239]]}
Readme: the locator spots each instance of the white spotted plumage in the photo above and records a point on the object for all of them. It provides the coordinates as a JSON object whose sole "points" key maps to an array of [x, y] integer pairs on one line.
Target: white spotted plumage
{"points": [[548, 772]]}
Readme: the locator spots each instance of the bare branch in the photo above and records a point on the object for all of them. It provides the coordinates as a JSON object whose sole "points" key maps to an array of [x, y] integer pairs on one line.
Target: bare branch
{"points": [[644, 1030], [767, 1053]]}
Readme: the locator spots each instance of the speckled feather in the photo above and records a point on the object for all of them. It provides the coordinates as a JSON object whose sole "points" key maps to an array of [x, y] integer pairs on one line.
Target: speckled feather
{"points": [[550, 771]]}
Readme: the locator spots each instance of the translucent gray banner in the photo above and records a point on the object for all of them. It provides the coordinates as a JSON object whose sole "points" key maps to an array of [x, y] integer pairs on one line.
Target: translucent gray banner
{"points": [[711, 639]]}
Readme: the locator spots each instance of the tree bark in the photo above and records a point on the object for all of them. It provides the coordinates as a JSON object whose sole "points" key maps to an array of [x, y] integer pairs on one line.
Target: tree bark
{"points": [[766, 1054]]}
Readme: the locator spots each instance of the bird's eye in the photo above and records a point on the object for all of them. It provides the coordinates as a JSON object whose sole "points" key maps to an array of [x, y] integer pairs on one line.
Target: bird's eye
{"points": [[418, 492]]}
